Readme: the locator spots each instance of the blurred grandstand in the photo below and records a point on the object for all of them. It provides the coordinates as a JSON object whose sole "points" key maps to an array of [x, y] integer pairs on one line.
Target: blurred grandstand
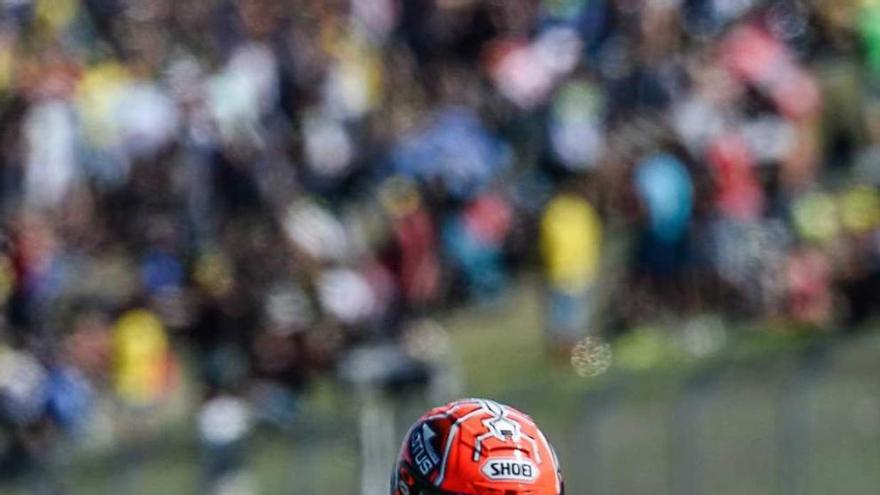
{"points": [[242, 242]]}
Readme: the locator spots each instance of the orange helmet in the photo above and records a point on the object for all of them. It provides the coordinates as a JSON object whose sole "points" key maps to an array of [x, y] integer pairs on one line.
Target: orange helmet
{"points": [[476, 447]]}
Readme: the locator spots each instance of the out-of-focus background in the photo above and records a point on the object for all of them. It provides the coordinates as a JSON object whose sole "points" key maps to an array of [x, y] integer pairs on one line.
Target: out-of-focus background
{"points": [[245, 243]]}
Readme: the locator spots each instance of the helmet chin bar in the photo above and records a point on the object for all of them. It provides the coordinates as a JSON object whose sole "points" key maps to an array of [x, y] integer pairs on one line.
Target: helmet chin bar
{"points": [[416, 485]]}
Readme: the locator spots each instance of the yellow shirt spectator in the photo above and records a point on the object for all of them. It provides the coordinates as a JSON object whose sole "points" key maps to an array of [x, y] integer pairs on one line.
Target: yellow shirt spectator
{"points": [[571, 239], [140, 351]]}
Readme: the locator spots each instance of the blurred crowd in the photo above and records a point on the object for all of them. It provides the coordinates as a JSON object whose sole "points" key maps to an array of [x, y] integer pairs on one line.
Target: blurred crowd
{"points": [[276, 182]]}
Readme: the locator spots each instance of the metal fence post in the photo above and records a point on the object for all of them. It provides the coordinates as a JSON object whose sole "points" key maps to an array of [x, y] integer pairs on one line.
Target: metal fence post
{"points": [[585, 447], [686, 475], [377, 442], [795, 418]]}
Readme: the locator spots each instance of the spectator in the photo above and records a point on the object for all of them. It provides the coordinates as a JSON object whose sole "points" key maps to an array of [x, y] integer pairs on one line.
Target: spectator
{"points": [[571, 248]]}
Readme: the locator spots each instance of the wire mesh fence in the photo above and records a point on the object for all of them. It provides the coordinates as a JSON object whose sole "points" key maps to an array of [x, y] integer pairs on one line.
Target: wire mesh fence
{"points": [[806, 423]]}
